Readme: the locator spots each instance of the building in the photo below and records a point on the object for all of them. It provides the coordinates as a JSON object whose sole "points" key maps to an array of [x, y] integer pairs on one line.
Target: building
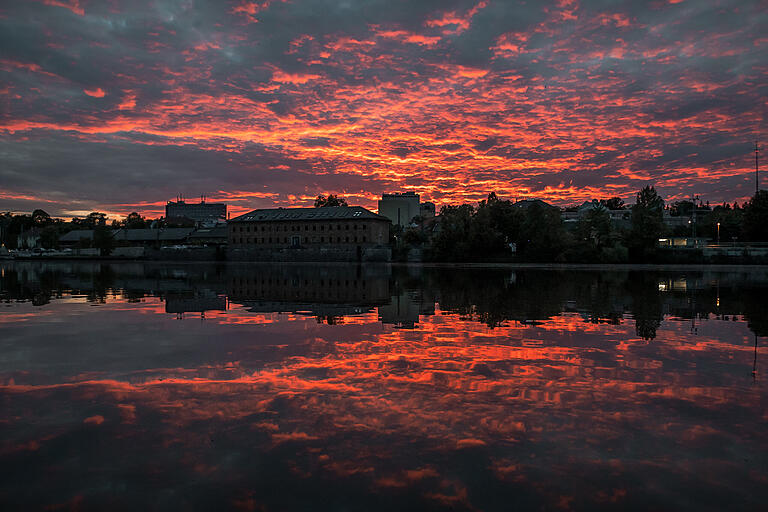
{"points": [[77, 238], [202, 213], [151, 237], [619, 218], [401, 208], [338, 233]]}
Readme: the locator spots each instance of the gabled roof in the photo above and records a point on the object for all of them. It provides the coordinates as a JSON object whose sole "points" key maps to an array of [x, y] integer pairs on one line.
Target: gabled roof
{"points": [[526, 203], [141, 235], [304, 214], [76, 235]]}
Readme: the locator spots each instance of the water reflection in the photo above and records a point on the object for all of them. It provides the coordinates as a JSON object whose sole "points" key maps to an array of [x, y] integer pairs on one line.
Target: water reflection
{"points": [[276, 387]]}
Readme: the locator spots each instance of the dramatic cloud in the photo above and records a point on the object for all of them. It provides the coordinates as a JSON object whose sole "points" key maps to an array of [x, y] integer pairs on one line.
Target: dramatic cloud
{"points": [[119, 106]]}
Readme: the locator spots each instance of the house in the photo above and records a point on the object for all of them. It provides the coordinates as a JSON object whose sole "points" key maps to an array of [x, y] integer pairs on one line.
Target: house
{"points": [[337, 233]]}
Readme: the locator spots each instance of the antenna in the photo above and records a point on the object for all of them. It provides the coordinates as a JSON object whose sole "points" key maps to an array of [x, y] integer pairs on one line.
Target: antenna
{"points": [[757, 177]]}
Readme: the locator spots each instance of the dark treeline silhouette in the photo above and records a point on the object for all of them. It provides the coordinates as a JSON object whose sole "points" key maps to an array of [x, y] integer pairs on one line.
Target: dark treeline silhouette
{"points": [[500, 230]]}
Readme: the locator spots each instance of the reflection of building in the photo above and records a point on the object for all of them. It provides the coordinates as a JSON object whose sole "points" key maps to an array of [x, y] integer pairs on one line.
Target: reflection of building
{"points": [[192, 302], [339, 233], [201, 213], [403, 310], [321, 291]]}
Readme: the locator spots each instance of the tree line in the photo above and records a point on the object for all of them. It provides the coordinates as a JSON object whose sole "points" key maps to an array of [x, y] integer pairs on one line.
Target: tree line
{"points": [[498, 229]]}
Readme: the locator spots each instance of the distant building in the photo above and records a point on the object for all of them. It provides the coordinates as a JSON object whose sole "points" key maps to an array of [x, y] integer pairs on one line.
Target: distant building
{"points": [[202, 213], [619, 218], [402, 207], [339, 233]]}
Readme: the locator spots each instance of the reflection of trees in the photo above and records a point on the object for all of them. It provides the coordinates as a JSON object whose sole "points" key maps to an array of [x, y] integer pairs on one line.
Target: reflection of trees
{"points": [[647, 304], [491, 296], [756, 309], [488, 296]]}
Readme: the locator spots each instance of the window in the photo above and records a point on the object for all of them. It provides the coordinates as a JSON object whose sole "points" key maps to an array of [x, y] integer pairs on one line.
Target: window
{"points": [[270, 239], [322, 227], [364, 226], [355, 238], [322, 239], [306, 239], [346, 239], [314, 227], [347, 227], [363, 238]]}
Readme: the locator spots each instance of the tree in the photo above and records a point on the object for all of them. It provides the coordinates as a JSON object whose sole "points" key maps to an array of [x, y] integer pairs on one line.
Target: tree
{"points": [[756, 217], [615, 203], [102, 239], [40, 218], [595, 226], [331, 200], [135, 221], [91, 221], [647, 223]]}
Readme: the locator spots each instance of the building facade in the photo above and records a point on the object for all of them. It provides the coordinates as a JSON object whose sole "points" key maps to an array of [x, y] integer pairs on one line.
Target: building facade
{"points": [[400, 208], [340, 233], [201, 213]]}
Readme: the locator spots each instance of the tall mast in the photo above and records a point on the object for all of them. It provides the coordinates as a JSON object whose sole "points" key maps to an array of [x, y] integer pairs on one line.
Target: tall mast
{"points": [[757, 178]]}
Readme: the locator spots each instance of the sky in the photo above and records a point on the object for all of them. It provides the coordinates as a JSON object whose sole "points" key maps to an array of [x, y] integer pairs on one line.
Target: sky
{"points": [[119, 106]]}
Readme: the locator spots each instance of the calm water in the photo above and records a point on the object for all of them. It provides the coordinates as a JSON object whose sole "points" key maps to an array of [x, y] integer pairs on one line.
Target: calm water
{"points": [[130, 386]]}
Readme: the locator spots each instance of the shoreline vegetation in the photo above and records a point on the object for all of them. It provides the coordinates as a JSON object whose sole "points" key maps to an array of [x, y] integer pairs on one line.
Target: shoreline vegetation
{"points": [[502, 231]]}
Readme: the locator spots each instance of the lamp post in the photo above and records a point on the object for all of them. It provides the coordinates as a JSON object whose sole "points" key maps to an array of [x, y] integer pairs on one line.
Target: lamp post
{"points": [[718, 233]]}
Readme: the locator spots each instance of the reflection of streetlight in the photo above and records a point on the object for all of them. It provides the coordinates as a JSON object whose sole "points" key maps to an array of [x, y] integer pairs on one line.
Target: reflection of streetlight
{"points": [[718, 233]]}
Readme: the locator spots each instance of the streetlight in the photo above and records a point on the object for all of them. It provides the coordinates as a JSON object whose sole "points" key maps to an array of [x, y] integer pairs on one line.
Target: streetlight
{"points": [[718, 233]]}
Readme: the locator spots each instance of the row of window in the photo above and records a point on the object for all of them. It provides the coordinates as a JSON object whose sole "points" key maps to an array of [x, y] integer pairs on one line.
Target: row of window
{"points": [[295, 227], [296, 240]]}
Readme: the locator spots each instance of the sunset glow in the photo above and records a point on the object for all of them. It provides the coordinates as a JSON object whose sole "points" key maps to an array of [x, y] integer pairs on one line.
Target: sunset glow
{"points": [[119, 106]]}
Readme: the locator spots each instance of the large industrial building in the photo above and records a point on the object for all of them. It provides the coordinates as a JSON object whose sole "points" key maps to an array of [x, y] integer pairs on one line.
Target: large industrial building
{"points": [[402, 207], [202, 213], [339, 233]]}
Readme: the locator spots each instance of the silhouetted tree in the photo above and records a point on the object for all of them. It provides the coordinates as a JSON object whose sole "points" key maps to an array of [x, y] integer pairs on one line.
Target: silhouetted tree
{"points": [[331, 200], [647, 223], [102, 239], [756, 217], [135, 221], [40, 218], [615, 203]]}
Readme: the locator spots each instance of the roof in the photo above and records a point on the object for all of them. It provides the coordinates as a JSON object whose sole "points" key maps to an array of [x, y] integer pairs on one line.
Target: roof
{"points": [[77, 235], [526, 203], [139, 235], [219, 231], [303, 214]]}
